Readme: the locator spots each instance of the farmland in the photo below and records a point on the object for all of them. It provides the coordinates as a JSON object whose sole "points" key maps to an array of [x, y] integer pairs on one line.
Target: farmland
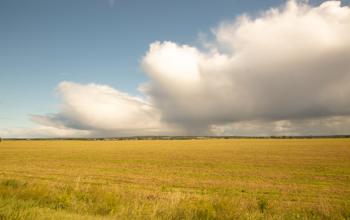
{"points": [[176, 179]]}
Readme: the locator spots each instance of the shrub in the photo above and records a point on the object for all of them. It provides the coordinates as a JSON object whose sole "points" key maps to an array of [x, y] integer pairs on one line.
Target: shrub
{"points": [[262, 204], [13, 183]]}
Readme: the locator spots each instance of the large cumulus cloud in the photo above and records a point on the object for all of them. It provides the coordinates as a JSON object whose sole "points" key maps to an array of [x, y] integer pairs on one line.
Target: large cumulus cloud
{"points": [[286, 71], [291, 63]]}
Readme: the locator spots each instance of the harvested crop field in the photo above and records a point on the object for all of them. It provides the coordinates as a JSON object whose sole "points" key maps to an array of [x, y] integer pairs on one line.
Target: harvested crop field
{"points": [[176, 179]]}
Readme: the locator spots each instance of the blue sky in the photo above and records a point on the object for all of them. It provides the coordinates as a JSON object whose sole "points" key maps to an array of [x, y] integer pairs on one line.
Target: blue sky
{"points": [[45, 42]]}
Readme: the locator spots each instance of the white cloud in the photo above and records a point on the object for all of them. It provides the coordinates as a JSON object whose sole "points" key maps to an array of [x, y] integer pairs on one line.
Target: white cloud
{"points": [[287, 71], [44, 132], [103, 111], [286, 64], [104, 108]]}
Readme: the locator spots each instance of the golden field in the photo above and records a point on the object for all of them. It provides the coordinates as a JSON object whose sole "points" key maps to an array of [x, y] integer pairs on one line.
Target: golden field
{"points": [[176, 179]]}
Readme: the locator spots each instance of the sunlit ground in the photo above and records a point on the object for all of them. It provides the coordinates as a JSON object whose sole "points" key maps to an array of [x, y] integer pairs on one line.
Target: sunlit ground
{"points": [[176, 179]]}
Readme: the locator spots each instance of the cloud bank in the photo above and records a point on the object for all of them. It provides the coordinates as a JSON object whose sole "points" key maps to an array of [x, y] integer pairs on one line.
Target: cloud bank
{"points": [[286, 71]]}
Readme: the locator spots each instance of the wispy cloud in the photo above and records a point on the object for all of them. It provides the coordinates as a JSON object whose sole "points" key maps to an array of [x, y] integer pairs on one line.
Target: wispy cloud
{"points": [[111, 2]]}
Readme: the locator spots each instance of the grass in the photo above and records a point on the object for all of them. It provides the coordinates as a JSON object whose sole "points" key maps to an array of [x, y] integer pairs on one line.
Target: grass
{"points": [[182, 179]]}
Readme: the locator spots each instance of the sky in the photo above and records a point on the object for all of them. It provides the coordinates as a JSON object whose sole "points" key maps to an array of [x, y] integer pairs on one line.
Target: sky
{"points": [[98, 68]]}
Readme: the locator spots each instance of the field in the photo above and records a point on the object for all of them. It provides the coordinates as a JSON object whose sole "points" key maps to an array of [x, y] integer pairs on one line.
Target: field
{"points": [[176, 179]]}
